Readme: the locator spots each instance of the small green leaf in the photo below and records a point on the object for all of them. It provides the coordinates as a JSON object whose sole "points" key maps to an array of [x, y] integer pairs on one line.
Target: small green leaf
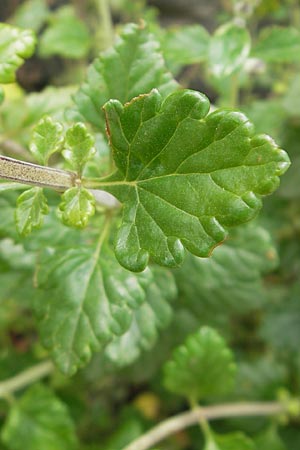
{"points": [[39, 421], [26, 11], [79, 147], [186, 45], [202, 367], [16, 45], [133, 66], [76, 207], [278, 44], [232, 441], [152, 316], [229, 49], [184, 177], [47, 138], [65, 36], [86, 300], [31, 208]]}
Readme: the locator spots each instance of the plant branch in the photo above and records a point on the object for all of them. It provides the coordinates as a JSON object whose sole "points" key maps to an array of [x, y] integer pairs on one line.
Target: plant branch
{"points": [[23, 379], [33, 174], [186, 419]]}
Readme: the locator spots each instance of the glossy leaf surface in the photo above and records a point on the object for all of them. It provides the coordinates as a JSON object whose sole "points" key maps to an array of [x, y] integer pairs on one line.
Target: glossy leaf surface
{"points": [[183, 176], [39, 420], [202, 367], [16, 45], [92, 300], [133, 66]]}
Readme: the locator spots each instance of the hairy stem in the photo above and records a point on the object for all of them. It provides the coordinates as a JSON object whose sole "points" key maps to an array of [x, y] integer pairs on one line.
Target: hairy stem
{"points": [[33, 174], [23, 379], [186, 419]]}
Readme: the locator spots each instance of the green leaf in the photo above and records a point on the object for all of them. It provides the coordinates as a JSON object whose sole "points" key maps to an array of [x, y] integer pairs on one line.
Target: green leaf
{"points": [[16, 45], [185, 45], [31, 208], [284, 316], [278, 44], [26, 11], [152, 316], [133, 66], [47, 138], [66, 36], [230, 281], [39, 421], [232, 441], [79, 147], [269, 439], [2, 95], [202, 367], [184, 177], [87, 299], [76, 207], [229, 48], [290, 101]]}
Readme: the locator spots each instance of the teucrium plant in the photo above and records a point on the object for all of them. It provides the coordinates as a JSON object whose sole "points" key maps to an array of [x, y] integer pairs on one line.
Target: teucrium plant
{"points": [[177, 176]]}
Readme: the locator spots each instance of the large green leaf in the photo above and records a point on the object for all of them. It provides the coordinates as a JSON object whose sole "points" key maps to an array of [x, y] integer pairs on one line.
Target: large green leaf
{"points": [[66, 36], [154, 314], [15, 46], [87, 299], [232, 441], [133, 66], [39, 421], [202, 367], [230, 280], [184, 177], [278, 44], [229, 48]]}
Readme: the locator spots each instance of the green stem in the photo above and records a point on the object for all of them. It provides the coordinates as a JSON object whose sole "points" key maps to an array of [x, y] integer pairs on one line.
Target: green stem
{"points": [[23, 379], [234, 91], [202, 421], [105, 35]]}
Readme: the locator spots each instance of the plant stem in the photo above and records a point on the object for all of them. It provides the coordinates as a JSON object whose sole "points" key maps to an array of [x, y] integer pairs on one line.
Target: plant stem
{"points": [[186, 419], [234, 91], [203, 422], [105, 35], [23, 379], [33, 174]]}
